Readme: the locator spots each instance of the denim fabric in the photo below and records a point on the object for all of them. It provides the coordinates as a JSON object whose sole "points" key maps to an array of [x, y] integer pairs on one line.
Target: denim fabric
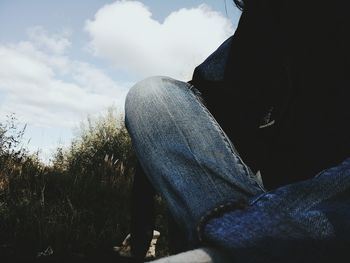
{"points": [[195, 167], [184, 152], [213, 68], [307, 221]]}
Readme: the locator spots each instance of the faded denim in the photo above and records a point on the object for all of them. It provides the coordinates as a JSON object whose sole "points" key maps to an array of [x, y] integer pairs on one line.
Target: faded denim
{"points": [[184, 152], [195, 167]]}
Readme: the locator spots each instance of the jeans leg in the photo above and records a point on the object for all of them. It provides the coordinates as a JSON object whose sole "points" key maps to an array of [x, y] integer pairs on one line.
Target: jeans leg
{"points": [[188, 158], [308, 221]]}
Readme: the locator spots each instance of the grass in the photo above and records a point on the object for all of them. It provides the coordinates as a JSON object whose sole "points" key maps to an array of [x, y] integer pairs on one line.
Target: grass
{"points": [[78, 207]]}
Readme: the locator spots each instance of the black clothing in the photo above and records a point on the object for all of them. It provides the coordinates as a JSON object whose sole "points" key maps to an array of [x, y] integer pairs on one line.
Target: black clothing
{"points": [[288, 61], [143, 219], [142, 214]]}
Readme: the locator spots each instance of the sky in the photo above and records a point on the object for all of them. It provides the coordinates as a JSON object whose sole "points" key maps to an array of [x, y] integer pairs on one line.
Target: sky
{"points": [[62, 61]]}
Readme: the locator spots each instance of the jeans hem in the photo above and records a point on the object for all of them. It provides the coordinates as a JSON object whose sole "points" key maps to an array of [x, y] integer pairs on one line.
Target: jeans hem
{"points": [[217, 212]]}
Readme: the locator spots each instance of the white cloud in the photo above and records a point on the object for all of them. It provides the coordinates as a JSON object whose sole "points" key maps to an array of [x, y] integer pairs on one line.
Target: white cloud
{"points": [[51, 90], [57, 43], [125, 33]]}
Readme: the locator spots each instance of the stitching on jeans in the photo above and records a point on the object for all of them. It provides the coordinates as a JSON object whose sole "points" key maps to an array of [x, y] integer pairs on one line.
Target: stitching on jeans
{"points": [[217, 212], [218, 127], [188, 145], [227, 141], [197, 93], [227, 205]]}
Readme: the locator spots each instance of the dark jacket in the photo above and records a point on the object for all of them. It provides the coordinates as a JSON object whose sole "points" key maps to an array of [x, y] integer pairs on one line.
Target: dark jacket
{"points": [[283, 98]]}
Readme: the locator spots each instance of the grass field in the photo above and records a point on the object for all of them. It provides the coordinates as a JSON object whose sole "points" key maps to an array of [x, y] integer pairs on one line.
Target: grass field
{"points": [[78, 206]]}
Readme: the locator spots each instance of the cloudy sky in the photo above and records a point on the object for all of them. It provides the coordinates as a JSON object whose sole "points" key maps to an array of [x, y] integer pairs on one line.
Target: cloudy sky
{"points": [[61, 61]]}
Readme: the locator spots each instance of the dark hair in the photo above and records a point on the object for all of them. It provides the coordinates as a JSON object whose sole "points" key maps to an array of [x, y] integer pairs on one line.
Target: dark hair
{"points": [[239, 3]]}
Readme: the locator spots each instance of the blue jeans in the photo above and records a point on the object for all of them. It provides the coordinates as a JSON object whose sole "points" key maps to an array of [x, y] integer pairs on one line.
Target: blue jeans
{"points": [[217, 199]]}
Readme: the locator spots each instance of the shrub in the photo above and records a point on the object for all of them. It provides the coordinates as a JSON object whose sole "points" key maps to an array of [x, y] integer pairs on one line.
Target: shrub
{"points": [[78, 204]]}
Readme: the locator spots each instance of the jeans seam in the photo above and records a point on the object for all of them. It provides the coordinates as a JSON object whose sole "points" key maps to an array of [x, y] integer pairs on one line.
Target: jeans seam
{"points": [[225, 137], [217, 212], [221, 208]]}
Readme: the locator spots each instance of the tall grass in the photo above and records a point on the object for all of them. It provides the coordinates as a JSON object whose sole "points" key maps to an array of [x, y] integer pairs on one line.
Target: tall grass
{"points": [[78, 205]]}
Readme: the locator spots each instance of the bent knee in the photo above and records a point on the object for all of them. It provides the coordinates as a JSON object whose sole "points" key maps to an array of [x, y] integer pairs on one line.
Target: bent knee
{"points": [[142, 93], [146, 90]]}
